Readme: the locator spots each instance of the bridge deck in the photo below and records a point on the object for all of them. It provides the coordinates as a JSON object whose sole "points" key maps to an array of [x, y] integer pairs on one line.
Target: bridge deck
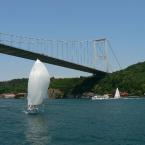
{"points": [[9, 50]]}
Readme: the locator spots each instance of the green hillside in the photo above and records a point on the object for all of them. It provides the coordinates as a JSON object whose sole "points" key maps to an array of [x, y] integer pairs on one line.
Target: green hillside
{"points": [[75, 86], [131, 80], [14, 86]]}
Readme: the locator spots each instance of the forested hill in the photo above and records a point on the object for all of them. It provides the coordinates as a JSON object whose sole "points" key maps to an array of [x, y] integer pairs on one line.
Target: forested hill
{"points": [[14, 86], [131, 80]]}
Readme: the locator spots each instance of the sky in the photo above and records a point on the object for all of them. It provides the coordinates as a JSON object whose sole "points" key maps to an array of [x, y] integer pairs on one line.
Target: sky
{"points": [[122, 22]]}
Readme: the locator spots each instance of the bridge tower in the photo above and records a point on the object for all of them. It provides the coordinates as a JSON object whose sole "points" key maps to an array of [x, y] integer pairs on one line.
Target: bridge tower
{"points": [[101, 54]]}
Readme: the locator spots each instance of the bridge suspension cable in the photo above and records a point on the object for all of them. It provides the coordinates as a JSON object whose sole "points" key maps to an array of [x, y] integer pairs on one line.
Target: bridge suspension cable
{"points": [[88, 53], [114, 54]]}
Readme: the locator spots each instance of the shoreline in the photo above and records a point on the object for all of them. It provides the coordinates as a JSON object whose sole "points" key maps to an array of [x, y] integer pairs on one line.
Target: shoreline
{"points": [[24, 95]]}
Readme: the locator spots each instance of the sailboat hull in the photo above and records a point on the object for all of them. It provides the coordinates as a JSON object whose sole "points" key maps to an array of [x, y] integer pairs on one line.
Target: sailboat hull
{"points": [[32, 111]]}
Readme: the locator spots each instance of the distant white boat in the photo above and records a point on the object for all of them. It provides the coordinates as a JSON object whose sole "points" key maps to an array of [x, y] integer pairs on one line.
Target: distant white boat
{"points": [[37, 86], [100, 97], [117, 94], [96, 98]]}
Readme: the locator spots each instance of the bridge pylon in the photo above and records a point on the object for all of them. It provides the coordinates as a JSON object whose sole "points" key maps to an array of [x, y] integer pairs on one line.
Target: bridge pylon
{"points": [[101, 55]]}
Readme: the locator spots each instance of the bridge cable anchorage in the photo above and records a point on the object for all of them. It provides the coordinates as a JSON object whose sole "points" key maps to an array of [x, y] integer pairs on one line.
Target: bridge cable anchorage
{"points": [[114, 54]]}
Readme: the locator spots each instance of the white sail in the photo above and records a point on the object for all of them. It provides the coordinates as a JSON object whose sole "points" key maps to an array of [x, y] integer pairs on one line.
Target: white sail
{"points": [[117, 94], [38, 84]]}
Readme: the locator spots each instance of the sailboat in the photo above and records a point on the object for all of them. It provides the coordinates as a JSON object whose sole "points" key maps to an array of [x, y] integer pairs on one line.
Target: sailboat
{"points": [[37, 86], [117, 94]]}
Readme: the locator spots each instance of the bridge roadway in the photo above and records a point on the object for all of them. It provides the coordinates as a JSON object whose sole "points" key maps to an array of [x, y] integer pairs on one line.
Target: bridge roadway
{"points": [[9, 50]]}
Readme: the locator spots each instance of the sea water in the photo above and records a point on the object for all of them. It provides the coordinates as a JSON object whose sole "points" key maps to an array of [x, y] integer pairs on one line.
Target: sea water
{"points": [[74, 122]]}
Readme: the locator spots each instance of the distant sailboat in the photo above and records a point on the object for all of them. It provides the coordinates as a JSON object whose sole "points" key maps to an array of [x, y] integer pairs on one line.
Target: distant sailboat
{"points": [[117, 94], [37, 86]]}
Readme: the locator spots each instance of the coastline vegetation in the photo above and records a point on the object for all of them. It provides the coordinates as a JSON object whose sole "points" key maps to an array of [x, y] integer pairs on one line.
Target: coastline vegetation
{"points": [[130, 80]]}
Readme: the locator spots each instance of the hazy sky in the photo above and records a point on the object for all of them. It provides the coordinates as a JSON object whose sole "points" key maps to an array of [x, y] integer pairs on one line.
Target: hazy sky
{"points": [[122, 22]]}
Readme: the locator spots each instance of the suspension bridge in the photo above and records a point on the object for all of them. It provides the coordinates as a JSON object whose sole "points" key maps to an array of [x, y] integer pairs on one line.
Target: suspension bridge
{"points": [[88, 56]]}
